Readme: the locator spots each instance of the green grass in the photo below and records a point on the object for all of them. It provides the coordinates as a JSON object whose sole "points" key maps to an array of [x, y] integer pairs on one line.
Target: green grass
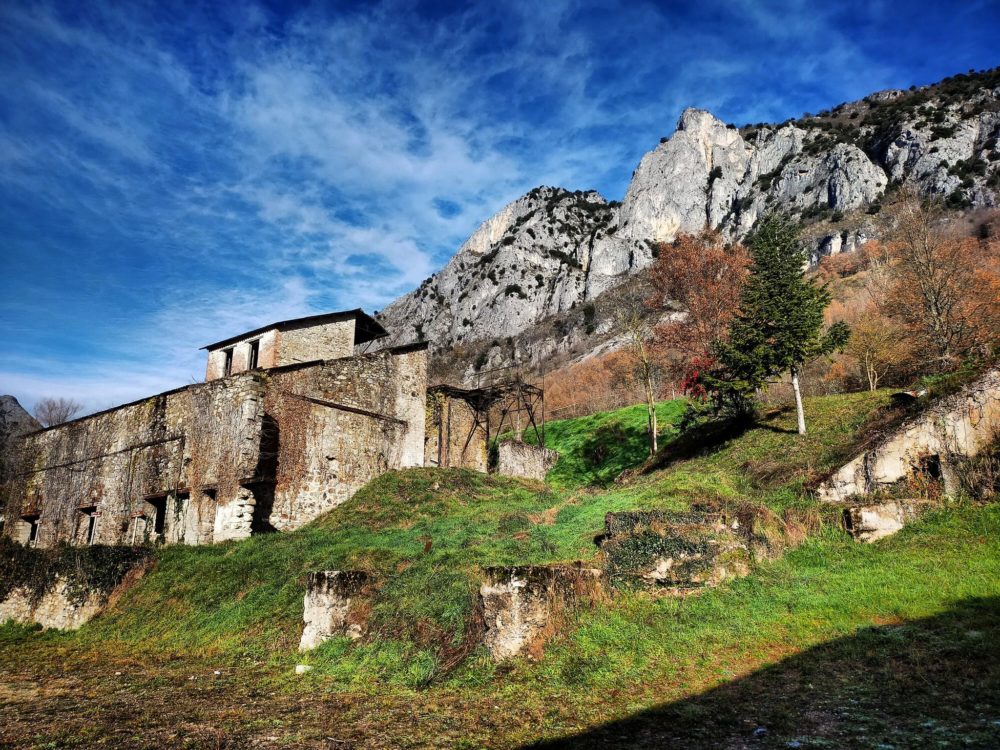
{"points": [[429, 533], [698, 661], [596, 449]]}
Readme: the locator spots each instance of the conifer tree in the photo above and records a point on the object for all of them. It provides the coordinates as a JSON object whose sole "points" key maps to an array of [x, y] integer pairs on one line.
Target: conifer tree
{"points": [[779, 326]]}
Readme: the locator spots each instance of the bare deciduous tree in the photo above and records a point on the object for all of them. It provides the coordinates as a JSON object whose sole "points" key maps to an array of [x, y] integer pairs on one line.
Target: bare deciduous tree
{"points": [[943, 287], [53, 411], [632, 324], [879, 345]]}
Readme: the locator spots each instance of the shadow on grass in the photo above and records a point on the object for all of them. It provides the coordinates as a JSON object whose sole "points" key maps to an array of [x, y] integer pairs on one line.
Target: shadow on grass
{"points": [[933, 682], [699, 440]]}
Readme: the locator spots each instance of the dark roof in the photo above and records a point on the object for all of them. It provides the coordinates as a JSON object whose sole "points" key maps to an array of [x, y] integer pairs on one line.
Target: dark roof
{"points": [[366, 328]]}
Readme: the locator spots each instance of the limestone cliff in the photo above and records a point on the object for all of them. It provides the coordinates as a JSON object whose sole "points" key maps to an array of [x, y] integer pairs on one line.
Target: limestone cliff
{"points": [[551, 250]]}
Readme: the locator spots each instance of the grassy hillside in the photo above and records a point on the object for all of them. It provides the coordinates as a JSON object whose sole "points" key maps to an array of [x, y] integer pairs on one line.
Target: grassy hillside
{"points": [[238, 608]]}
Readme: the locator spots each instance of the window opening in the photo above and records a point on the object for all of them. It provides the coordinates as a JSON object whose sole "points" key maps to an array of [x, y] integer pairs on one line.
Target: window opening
{"points": [[227, 368], [158, 505], [90, 515], [254, 355], [33, 525]]}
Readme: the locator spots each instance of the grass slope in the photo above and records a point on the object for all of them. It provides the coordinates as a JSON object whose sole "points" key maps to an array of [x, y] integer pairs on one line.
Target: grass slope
{"points": [[428, 532]]}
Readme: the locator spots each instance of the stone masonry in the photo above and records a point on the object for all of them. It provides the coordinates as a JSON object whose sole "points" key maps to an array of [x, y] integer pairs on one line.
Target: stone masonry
{"points": [[955, 427], [265, 449]]}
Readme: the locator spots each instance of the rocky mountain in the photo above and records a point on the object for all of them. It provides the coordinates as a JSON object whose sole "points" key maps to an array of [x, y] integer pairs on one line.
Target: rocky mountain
{"points": [[552, 250], [14, 419]]}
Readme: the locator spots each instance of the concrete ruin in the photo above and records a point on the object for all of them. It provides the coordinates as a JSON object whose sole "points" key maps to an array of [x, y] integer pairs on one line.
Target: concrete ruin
{"points": [[522, 605], [679, 551], [518, 459], [869, 523], [292, 420], [335, 605], [929, 445], [456, 431]]}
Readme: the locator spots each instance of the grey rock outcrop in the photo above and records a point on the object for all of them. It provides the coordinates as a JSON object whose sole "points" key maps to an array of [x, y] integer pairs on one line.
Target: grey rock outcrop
{"points": [[14, 420], [551, 250]]}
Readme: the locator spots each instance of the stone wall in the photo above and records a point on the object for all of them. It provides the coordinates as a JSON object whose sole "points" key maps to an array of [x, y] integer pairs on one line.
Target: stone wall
{"points": [[106, 478], [259, 451], [57, 607], [517, 459], [309, 342], [454, 439], [267, 355], [342, 423], [955, 427]]}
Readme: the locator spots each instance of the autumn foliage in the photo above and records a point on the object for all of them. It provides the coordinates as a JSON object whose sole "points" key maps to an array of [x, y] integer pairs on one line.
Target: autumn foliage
{"points": [[699, 277]]}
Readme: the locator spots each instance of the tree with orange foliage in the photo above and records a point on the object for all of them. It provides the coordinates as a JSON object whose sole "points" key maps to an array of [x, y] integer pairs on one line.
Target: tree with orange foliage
{"points": [[944, 288], [703, 276]]}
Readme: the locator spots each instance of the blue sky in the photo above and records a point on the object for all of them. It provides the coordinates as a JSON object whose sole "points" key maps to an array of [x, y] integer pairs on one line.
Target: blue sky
{"points": [[172, 174]]}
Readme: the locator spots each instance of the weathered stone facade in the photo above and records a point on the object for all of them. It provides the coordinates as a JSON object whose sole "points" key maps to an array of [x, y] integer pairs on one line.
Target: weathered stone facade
{"points": [[261, 450], [330, 336], [957, 426], [517, 459], [334, 605]]}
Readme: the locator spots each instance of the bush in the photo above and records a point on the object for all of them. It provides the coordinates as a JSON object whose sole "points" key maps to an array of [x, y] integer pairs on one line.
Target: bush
{"points": [[97, 568]]}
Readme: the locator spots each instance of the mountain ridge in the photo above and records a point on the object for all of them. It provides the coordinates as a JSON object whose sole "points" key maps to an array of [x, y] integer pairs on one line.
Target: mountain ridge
{"points": [[552, 250]]}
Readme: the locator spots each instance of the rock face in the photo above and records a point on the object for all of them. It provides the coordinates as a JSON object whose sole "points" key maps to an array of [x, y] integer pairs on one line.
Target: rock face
{"points": [[956, 427], [552, 250], [14, 420]]}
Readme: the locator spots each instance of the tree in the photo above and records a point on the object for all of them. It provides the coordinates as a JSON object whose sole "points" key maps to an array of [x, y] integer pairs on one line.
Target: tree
{"points": [[779, 324], [53, 411], [630, 320], [878, 344], [703, 276], [944, 288]]}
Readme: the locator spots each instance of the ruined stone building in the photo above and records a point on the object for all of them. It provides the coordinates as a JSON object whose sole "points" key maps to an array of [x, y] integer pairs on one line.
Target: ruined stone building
{"points": [[292, 419]]}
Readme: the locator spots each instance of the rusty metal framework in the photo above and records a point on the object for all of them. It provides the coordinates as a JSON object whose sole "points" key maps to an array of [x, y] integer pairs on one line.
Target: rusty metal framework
{"points": [[511, 397]]}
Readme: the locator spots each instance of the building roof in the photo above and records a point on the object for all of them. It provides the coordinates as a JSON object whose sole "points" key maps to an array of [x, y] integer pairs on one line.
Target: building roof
{"points": [[366, 328]]}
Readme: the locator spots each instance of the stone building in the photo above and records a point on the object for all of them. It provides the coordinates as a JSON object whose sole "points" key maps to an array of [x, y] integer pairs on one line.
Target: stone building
{"points": [[292, 419]]}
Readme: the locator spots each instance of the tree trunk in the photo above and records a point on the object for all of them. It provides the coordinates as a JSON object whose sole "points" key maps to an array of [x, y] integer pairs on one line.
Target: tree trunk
{"points": [[651, 407], [799, 412]]}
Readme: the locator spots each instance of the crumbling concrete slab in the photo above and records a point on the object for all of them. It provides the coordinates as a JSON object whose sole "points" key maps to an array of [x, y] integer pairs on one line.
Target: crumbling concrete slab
{"points": [[955, 427], [522, 605], [869, 523], [335, 604], [56, 608], [517, 459], [678, 551]]}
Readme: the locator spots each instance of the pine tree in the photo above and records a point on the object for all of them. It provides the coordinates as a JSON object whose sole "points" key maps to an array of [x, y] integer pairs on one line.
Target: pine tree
{"points": [[779, 326]]}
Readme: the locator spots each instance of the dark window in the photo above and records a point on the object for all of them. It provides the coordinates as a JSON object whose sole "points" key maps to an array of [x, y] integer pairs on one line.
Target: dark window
{"points": [[90, 518], [158, 506], [33, 524], [254, 355], [930, 467], [227, 368]]}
